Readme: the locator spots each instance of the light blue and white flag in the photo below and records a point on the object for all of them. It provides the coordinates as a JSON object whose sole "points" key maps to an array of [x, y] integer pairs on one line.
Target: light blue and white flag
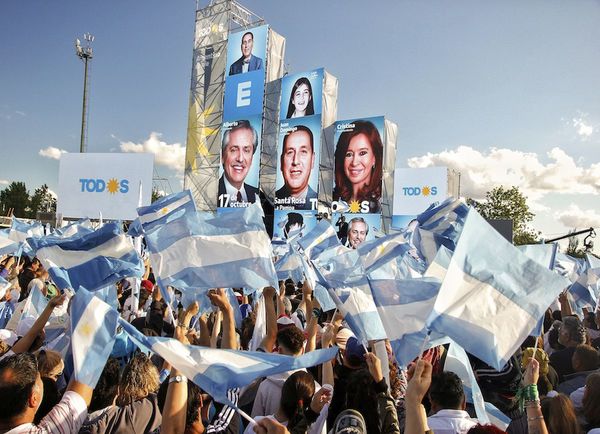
{"points": [[586, 289], [8, 246], [231, 250], [568, 266], [80, 227], [164, 210], [92, 260], [93, 329], [217, 370], [543, 254], [457, 361], [492, 295], [4, 286], [439, 225], [21, 230], [290, 266]]}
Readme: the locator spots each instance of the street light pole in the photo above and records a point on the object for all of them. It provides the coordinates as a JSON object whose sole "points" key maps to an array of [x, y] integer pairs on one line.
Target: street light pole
{"points": [[85, 54]]}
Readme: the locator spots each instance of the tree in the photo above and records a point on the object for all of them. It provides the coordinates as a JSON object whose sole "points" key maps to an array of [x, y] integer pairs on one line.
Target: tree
{"points": [[509, 204], [15, 197], [156, 194], [42, 201]]}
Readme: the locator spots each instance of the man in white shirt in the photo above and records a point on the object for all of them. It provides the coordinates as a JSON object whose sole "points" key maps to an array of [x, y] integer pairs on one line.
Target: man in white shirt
{"points": [[448, 405], [20, 380]]}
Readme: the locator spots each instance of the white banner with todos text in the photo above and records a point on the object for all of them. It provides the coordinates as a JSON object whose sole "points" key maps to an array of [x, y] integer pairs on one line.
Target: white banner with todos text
{"points": [[90, 184]]}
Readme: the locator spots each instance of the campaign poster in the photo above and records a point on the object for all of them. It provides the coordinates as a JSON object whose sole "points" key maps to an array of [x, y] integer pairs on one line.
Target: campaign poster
{"points": [[91, 184], [289, 224], [298, 152], [240, 162], [244, 95], [358, 164], [301, 94], [247, 51], [415, 190], [354, 229]]}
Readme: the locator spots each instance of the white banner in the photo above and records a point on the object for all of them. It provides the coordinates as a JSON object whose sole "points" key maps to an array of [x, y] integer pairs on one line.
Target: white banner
{"points": [[415, 190], [90, 184]]}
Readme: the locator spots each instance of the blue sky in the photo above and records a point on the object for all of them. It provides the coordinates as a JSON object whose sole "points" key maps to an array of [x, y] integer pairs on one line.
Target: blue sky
{"points": [[504, 91]]}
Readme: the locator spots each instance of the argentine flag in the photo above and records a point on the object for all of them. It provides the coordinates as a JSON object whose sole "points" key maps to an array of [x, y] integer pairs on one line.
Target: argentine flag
{"points": [[91, 260], [492, 295], [80, 227], [21, 230], [93, 329], [216, 370], [164, 210], [198, 251]]}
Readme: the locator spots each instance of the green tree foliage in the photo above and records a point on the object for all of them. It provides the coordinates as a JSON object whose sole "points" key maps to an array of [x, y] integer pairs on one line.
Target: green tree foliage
{"points": [[156, 195], [509, 204], [42, 201], [15, 197]]}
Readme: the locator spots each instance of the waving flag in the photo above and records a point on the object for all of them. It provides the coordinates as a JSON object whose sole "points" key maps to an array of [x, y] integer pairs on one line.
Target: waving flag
{"points": [[164, 210], [290, 266], [93, 329], [195, 251], [92, 260], [543, 254], [80, 227], [492, 295], [440, 225], [7, 246], [21, 230], [457, 361], [216, 370]]}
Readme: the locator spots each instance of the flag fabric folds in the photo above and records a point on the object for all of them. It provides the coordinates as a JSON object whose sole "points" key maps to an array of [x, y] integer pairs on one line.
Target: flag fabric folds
{"points": [[92, 260], [8, 246], [457, 361], [93, 329], [80, 227], [21, 230], [197, 251], [492, 295], [162, 211], [217, 370]]}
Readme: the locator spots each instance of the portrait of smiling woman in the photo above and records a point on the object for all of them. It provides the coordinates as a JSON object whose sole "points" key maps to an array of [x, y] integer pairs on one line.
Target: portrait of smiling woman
{"points": [[359, 165], [301, 99]]}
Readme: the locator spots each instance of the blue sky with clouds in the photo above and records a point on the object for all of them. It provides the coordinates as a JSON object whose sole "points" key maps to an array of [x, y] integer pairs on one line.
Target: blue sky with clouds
{"points": [[507, 92]]}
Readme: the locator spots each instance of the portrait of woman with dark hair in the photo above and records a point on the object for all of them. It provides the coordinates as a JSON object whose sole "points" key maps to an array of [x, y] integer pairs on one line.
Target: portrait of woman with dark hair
{"points": [[359, 165], [301, 99]]}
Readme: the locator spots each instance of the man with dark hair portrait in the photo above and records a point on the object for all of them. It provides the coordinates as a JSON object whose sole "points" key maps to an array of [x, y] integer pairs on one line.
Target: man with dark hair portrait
{"points": [[248, 61]]}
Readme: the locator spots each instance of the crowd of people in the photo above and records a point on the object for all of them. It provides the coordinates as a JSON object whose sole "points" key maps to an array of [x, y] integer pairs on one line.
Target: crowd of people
{"points": [[550, 385]]}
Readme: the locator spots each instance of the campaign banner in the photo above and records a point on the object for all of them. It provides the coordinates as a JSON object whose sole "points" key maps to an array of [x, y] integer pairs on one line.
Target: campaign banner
{"points": [[247, 50], [301, 94], [244, 95], [240, 162], [90, 184], [288, 224], [415, 190], [298, 151], [358, 164], [354, 229]]}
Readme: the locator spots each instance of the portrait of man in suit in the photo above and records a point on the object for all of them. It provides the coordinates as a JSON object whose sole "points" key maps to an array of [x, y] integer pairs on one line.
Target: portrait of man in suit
{"points": [[297, 160], [248, 61], [357, 233], [239, 146]]}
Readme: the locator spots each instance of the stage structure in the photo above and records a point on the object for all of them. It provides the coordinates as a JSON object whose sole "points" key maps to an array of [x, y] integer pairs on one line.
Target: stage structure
{"points": [[214, 24]]}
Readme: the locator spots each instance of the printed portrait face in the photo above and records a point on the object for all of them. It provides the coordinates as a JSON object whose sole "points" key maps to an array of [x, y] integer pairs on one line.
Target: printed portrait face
{"points": [[357, 232], [301, 98], [237, 156], [359, 160], [247, 43], [297, 161]]}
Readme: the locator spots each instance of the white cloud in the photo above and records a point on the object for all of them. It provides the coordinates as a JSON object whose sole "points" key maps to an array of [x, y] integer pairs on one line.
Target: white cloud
{"points": [[482, 171], [169, 155], [52, 152], [4, 182], [20, 113], [575, 217], [583, 130]]}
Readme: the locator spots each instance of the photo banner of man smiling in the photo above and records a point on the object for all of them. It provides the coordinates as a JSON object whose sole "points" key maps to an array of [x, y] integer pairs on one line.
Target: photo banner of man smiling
{"points": [[242, 118]]}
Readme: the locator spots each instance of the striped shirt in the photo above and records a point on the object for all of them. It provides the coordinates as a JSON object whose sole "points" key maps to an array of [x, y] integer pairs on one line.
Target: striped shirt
{"points": [[65, 417]]}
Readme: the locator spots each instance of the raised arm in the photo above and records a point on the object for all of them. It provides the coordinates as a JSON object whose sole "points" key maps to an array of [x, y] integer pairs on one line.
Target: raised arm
{"points": [[25, 342], [268, 342], [219, 298]]}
